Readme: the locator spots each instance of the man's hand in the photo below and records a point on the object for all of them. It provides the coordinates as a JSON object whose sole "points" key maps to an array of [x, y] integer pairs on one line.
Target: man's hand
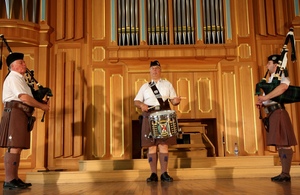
{"points": [[175, 100], [260, 101], [144, 107]]}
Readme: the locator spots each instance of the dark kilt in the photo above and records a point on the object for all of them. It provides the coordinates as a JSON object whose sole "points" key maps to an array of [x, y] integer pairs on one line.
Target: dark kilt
{"points": [[147, 142], [281, 131], [14, 129]]}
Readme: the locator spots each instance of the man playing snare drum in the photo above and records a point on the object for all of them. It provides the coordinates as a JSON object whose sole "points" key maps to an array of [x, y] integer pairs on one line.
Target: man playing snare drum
{"points": [[153, 97]]}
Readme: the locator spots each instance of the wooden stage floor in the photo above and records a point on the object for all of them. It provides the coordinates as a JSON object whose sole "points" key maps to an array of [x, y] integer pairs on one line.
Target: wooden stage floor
{"points": [[261, 186]]}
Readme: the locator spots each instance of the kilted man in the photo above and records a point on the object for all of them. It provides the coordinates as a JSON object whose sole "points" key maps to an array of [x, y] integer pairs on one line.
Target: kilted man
{"points": [[278, 124], [152, 97], [17, 120]]}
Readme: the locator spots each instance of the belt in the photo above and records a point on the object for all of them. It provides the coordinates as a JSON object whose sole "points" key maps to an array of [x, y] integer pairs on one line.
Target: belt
{"points": [[15, 104], [271, 108]]}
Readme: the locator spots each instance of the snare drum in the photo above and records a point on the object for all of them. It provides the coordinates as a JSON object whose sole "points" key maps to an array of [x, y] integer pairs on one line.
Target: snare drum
{"points": [[163, 124]]}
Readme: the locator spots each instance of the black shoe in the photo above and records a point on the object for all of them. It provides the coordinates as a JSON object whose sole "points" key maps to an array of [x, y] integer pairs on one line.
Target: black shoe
{"points": [[14, 184], [166, 177], [22, 182], [152, 178], [280, 178], [276, 177]]}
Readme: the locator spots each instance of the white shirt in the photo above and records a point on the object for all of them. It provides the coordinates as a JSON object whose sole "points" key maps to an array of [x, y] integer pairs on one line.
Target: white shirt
{"points": [[14, 85], [147, 96], [284, 79]]}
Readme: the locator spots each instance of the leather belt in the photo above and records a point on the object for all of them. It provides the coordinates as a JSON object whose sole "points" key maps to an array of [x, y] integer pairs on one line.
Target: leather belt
{"points": [[15, 104], [271, 108]]}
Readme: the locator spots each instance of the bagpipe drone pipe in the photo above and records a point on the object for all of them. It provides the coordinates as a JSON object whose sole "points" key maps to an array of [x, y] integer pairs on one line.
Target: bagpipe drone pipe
{"points": [[41, 92], [292, 94]]}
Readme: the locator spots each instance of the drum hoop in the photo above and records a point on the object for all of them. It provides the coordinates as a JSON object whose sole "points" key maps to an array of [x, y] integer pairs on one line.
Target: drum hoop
{"points": [[162, 112]]}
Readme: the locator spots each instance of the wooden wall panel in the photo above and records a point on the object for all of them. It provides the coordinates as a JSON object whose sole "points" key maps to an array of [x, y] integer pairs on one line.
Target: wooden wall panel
{"points": [[242, 8], [68, 106], [230, 112], [59, 105], [66, 138], [137, 80], [270, 16], [116, 116], [249, 130], [60, 19], [260, 20], [205, 94], [245, 51], [98, 20], [279, 16], [70, 19], [78, 123], [79, 19], [99, 116], [273, 17], [184, 86]]}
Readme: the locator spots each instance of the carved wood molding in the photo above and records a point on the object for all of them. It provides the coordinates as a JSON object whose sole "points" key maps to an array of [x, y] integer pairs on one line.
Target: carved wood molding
{"points": [[116, 54], [22, 33]]}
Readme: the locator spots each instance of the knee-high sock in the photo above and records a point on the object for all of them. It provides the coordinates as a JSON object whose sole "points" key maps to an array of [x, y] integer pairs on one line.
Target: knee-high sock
{"points": [[11, 164], [163, 159], [152, 159], [280, 154], [17, 165], [286, 161]]}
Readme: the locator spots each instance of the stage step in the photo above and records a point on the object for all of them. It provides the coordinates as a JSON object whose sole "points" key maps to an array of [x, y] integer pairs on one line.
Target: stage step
{"points": [[175, 163], [179, 169]]}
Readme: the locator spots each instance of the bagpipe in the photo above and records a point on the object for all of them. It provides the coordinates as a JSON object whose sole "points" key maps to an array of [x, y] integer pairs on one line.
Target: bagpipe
{"points": [[41, 92], [292, 94]]}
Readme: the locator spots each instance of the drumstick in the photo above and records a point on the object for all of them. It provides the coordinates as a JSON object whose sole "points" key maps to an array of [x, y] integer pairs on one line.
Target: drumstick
{"points": [[174, 97], [151, 107]]}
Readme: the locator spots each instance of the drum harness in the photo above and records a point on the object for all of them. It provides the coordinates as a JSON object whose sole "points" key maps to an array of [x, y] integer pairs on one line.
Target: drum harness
{"points": [[163, 105]]}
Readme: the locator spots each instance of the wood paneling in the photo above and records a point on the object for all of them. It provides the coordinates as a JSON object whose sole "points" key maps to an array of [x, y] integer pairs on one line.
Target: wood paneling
{"points": [[70, 19], [99, 106], [117, 129], [270, 16], [260, 20], [205, 98], [60, 20], [184, 86], [243, 19], [80, 18], [59, 105], [99, 11], [250, 132]]}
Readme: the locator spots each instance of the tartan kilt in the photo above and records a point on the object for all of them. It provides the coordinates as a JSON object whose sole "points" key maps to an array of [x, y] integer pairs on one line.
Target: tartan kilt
{"points": [[281, 131], [148, 142], [14, 129]]}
